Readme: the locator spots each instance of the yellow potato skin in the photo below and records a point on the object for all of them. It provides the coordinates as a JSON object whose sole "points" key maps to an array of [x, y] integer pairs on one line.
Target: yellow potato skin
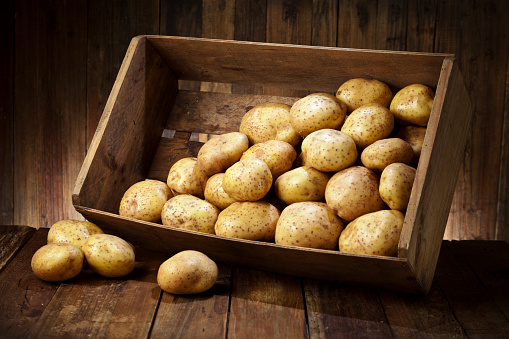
{"points": [[359, 91], [396, 184], [384, 152], [248, 220], [317, 111], [375, 233], [185, 177], [278, 155], [215, 194], [309, 224], [70, 231], [301, 184], [353, 192], [222, 151], [414, 135], [368, 123], [269, 121], [57, 262], [191, 213], [109, 255], [248, 180], [328, 150], [144, 200], [187, 272], [412, 105]]}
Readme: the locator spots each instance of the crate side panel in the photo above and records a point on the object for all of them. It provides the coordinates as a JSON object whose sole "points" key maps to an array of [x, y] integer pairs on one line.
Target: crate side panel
{"points": [[436, 176], [384, 272], [129, 132], [292, 66]]}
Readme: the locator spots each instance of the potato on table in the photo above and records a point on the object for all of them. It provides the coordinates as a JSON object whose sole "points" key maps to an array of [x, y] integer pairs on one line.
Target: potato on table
{"points": [[248, 220], [73, 232], [191, 213], [368, 124], [375, 233], [317, 111], [269, 121], [109, 255], [278, 155], [185, 177], [359, 91], [396, 184], [215, 194], [144, 200], [353, 192], [222, 151], [57, 262], [248, 180], [384, 152], [301, 184], [309, 224], [412, 105], [328, 150], [187, 272]]}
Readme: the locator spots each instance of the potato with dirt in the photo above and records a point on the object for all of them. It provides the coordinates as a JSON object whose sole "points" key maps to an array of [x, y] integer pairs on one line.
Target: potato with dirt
{"points": [[382, 153], [57, 262], [185, 177], [188, 212], [221, 151], [144, 200], [301, 184], [360, 91]]}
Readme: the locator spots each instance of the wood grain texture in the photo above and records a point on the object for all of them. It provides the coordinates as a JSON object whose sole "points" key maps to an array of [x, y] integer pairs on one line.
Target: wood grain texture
{"points": [[12, 239], [50, 109], [357, 23], [204, 315], [391, 25], [28, 295], [266, 305], [7, 112], [324, 26], [421, 25]]}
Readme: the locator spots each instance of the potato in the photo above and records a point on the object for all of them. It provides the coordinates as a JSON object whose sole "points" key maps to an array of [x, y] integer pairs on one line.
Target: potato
{"points": [[412, 105], [215, 194], [187, 272], [384, 152], [414, 135], [269, 121], [185, 177], [353, 192], [375, 233], [317, 111], [109, 255], [329, 150], [191, 213], [301, 184], [248, 220], [278, 155], [396, 184], [222, 151], [248, 180], [309, 224], [73, 232], [368, 124], [57, 262], [144, 200], [358, 92]]}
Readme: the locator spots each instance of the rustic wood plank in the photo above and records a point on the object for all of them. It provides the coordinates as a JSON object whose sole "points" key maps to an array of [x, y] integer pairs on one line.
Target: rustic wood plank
{"points": [[50, 107], [98, 307], [357, 23], [324, 27], [391, 25], [7, 112], [144, 88], [111, 26], [416, 316], [12, 239], [473, 307], [203, 315], [28, 296], [266, 305], [339, 311], [421, 25]]}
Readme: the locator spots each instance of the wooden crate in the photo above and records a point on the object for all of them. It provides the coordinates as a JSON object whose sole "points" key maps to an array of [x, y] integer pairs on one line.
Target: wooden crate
{"points": [[130, 144]]}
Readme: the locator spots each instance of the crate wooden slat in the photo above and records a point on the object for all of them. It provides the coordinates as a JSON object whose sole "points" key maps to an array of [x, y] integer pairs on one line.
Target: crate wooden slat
{"points": [[128, 145]]}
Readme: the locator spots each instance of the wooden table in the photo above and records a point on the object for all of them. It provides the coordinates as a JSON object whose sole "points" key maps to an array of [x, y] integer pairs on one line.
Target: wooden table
{"points": [[469, 298]]}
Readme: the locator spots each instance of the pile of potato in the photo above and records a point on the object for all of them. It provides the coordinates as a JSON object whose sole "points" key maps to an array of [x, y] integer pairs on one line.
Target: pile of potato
{"points": [[330, 172]]}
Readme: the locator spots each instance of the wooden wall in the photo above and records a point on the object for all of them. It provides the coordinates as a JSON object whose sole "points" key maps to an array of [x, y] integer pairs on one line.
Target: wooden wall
{"points": [[59, 60]]}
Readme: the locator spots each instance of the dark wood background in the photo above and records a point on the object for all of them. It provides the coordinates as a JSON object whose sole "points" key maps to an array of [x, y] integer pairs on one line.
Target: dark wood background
{"points": [[59, 59]]}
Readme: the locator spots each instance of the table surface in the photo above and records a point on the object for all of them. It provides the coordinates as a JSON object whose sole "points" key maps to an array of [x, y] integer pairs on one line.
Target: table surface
{"points": [[469, 298]]}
